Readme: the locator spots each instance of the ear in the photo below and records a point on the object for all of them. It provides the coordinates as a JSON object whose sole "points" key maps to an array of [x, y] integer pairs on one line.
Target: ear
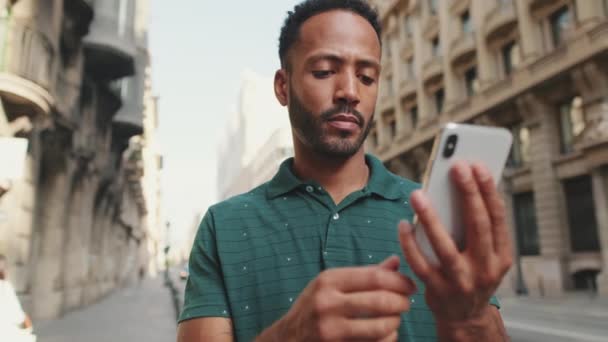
{"points": [[281, 85]]}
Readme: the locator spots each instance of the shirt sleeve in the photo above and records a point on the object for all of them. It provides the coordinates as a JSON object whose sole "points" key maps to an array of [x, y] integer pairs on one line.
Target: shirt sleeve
{"points": [[205, 294]]}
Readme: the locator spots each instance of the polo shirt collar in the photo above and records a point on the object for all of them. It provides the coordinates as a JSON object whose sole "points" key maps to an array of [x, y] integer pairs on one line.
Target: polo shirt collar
{"points": [[283, 181], [381, 181]]}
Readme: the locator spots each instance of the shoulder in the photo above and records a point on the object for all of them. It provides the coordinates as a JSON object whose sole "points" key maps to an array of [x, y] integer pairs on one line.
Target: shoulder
{"points": [[240, 205], [407, 185], [403, 187]]}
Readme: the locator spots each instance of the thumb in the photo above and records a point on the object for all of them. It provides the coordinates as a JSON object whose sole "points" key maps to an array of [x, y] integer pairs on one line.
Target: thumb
{"points": [[391, 263]]}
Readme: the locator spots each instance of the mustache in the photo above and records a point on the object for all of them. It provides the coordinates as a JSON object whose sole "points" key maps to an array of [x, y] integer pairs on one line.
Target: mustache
{"points": [[327, 115]]}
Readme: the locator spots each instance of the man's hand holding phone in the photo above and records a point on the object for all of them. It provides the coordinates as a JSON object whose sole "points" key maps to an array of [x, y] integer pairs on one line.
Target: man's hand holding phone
{"points": [[459, 288]]}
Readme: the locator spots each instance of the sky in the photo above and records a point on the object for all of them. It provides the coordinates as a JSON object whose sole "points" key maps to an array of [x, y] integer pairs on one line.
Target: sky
{"points": [[199, 50]]}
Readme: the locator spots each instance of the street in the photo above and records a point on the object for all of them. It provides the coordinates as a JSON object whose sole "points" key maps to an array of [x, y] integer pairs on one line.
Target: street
{"points": [[143, 312], [574, 318]]}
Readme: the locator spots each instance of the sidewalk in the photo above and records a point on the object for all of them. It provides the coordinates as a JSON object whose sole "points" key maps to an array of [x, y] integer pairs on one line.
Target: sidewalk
{"points": [[139, 313], [575, 317], [575, 304]]}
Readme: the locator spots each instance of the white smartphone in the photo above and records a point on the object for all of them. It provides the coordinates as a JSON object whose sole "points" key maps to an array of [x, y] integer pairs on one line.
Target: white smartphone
{"points": [[454, 142]]}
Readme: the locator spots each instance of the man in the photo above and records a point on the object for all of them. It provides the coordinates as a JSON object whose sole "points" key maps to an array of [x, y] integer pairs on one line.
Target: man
{"points": [[15, 325], [310, 255]]}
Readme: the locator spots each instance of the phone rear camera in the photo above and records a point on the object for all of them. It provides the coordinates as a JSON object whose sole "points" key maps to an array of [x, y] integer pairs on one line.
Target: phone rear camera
{"points": [[450, 146]]}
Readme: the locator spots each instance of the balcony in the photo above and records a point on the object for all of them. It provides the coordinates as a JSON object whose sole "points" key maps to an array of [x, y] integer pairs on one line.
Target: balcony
{"points": [[110, 47], [407, 89], [462, 49], [27, 69], [432, 69], [539, 5], [129, 119], [458, 6], [501, 20], [431, 27], [407, 48], [385, 101]]}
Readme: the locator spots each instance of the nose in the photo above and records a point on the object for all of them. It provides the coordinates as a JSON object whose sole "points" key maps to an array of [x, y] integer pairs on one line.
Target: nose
{"points": [[347, 90]]}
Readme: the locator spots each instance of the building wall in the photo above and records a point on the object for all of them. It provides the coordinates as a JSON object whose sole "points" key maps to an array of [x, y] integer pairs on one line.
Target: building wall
{"points": [[257, 138], [79, 224], [525, 61]]}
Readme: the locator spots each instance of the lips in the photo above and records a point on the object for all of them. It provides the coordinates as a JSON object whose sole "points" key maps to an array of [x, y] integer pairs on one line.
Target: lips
{"points": [[345, 118], [344, 122]]}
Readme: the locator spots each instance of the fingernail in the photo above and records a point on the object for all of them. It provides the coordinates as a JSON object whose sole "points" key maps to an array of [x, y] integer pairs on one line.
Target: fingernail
{"points": [[405, 227], [419, 200], [413, 288], [462, 170], [482, 172]]}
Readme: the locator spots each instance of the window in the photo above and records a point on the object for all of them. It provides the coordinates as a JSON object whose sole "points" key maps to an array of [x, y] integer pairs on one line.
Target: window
{"points": [[439, 97], [585, 280], [436, 47], [389, 86], [374, 138], [433, 6], [571, 122], [581, 214], [559, 21], [510, 57], [520, 151], [407, 26], [525, 222], [411, 73], [414, 116], [392, 124], [387, 47], [465, 20], [471, 81]]}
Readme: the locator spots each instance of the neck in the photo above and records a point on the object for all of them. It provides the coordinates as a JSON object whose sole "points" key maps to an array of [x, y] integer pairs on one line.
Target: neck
{"points": [[339, 177]]}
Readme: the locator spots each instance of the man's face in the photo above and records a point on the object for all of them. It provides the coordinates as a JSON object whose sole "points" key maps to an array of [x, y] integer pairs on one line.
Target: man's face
{"points": [[333, 82]]}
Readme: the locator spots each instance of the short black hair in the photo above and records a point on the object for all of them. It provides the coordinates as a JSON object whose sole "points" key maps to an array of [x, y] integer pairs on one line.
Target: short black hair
{"points": [[310, 8]]}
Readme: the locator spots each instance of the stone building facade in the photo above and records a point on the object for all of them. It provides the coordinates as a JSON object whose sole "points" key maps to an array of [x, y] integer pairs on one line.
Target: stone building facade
{"points": [[257, 138], [74, 81], [536, 67]]}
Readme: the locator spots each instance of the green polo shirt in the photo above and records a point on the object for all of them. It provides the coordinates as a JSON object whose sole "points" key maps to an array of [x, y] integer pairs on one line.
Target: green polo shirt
{"points": [[255, 253]]}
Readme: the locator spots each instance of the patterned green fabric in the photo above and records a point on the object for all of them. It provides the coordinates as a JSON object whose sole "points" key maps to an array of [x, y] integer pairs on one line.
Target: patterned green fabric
{"points": [[254, 253]]}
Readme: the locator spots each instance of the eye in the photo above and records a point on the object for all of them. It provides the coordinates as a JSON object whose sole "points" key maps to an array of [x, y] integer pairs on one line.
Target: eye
{"points": [[322, 73], [367, 80]]}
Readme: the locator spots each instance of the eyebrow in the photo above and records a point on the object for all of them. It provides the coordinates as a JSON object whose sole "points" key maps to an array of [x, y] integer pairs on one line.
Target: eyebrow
{"points": [[339, 60]]}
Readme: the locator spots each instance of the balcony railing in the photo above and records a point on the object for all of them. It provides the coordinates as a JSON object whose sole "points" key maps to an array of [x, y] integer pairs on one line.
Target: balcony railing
{"points": [[432, 69], [407, 88], [27, 63], [500, 20], [130, 116], [110, 48], [462, 48]]}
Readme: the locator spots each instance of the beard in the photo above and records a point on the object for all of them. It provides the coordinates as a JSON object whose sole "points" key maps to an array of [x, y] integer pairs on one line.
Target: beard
{"points": [[313, 132]]}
